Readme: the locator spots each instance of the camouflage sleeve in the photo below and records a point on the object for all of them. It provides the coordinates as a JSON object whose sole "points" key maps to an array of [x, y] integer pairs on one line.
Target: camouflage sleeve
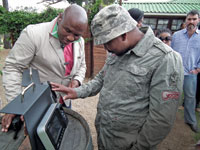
{"points": [[92, 88], [165, 92]]}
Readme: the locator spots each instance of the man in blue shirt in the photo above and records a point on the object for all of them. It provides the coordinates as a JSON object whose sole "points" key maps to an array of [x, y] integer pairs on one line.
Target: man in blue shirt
{"points": [[187, 43]]}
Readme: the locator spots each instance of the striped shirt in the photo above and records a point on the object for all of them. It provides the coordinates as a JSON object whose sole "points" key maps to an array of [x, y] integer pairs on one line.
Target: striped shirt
{"points": [[189, 48]]}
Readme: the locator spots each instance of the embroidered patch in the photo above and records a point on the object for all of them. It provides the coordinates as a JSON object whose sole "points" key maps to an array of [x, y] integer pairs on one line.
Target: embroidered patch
{"points": [[173, 79], [166, 95]]}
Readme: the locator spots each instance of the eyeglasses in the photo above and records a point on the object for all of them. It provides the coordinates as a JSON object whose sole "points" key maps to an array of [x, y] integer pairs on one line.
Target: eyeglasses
{"points": [[167, 38]]}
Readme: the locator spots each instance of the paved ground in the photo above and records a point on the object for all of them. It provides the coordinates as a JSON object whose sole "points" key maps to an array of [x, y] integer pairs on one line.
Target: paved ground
{"points": [[180, 137]]}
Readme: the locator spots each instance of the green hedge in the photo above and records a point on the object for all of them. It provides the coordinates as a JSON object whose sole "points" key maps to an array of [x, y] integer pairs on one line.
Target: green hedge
{"points": [[14, 22]]}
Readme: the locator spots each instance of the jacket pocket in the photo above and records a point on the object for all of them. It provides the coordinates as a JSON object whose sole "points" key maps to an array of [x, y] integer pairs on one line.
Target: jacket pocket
{"points": [[135, 78]]}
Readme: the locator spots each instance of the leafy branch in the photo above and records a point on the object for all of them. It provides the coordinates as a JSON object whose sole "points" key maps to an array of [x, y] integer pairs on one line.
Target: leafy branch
{"points": [[14, 22]]}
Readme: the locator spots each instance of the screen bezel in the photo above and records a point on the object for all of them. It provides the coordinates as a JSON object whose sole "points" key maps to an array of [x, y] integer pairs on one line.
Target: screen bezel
{"points": [[62, 124]]}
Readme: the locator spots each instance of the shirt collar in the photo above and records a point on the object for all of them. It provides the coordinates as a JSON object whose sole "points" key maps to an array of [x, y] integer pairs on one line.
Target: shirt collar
{"points": [[197, 31], [145, 43], [54, 31], [184, 30]]}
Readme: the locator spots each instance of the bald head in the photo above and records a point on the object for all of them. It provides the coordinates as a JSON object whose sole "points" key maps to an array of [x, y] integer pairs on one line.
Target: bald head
{"points": [[77, 13], [72, 24]]}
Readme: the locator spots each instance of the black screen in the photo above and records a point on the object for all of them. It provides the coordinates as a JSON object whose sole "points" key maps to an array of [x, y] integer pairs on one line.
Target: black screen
{"points": [[54, 128]]}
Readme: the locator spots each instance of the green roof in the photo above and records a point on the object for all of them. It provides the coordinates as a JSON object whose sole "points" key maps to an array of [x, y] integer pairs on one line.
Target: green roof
{"points": [[171, 7], [186, 1]]}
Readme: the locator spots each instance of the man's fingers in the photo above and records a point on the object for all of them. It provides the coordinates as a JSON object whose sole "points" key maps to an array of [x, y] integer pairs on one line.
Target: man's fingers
{"points": [[6, 121], [66, 97], [9, 122], [194, 71], [54, 84], [22, 118]]}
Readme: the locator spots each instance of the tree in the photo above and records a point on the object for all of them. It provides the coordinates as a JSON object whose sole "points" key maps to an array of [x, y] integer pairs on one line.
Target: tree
{"points": [[107, 2], [14, 22], [50, 2], [5, 4], [79, 2], [6, 41]]}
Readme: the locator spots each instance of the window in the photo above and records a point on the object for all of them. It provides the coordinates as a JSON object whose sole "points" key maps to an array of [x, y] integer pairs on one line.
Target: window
{"points": [[162, 23], [151, 22], [176, 23]]}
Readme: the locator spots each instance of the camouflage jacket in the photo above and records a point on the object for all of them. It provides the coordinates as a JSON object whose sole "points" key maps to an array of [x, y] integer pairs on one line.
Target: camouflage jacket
{"points": [[139, 94]]}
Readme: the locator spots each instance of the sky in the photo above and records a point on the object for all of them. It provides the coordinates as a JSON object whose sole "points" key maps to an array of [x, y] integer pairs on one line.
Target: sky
{"points": [[17, 4]]}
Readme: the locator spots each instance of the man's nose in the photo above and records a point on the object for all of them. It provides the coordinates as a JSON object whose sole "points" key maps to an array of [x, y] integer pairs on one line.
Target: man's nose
{"points": [[71, 37], [192, 20]]}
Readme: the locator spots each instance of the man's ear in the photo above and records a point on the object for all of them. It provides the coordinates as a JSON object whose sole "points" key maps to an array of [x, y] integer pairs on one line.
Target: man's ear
{"points": [[124, 36], [60, 16]]}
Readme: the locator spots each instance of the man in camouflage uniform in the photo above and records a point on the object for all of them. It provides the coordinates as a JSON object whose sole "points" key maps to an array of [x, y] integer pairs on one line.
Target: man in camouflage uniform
{"points": [[140, 84]]}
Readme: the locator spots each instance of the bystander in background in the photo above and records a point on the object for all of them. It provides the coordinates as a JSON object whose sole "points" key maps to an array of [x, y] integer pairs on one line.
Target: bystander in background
{"points": [[182, 26], [137, 15], [198, 87], [187, 43], [165, 35]]}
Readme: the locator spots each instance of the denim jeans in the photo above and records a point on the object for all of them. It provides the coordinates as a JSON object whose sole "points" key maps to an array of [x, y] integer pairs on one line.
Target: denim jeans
{"points": [[189, 89]]}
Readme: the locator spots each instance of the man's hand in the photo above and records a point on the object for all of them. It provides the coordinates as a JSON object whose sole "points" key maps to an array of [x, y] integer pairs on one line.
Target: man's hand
{"points": [[196, 71], [6, 121], [74, 84], [70, 93]]}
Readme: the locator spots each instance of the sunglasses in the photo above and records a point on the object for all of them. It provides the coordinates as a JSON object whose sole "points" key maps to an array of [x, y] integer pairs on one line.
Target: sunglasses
{"points": [[167, 38]]}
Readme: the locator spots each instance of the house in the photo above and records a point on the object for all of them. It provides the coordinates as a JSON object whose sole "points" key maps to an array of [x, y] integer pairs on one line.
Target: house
{"points": [[168, 14], [164, 14]]}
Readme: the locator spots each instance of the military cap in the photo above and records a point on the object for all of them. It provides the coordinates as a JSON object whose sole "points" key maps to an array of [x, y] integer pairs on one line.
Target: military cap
{"points": [[111, 22]]}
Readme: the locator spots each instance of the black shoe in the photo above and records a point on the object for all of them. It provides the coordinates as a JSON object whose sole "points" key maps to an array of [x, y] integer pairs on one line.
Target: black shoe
{"points": [[194, 128]]}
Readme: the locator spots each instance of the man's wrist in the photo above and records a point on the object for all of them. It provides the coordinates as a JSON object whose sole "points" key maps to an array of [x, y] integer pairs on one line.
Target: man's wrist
{"points": [[198, 70], [78, 82]]}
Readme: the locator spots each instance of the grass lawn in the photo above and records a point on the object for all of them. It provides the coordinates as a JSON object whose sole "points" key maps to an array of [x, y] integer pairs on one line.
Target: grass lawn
{"points": [[197, 135]]}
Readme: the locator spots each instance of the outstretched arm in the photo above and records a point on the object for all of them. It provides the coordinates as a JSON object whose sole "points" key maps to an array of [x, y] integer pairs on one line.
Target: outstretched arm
{"points": [[89, 89]]}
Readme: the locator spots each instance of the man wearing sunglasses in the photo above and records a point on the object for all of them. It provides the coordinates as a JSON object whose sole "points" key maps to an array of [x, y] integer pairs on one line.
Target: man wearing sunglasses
{"points": [[55, 49], [187, 43]]}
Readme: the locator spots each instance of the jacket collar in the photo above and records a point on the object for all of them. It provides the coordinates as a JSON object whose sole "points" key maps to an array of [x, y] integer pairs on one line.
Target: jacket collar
{"points": [[145, 43]]}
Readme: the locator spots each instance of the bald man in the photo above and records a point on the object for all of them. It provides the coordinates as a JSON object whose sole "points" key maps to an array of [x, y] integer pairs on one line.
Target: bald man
{"points": [[55, 49]]}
